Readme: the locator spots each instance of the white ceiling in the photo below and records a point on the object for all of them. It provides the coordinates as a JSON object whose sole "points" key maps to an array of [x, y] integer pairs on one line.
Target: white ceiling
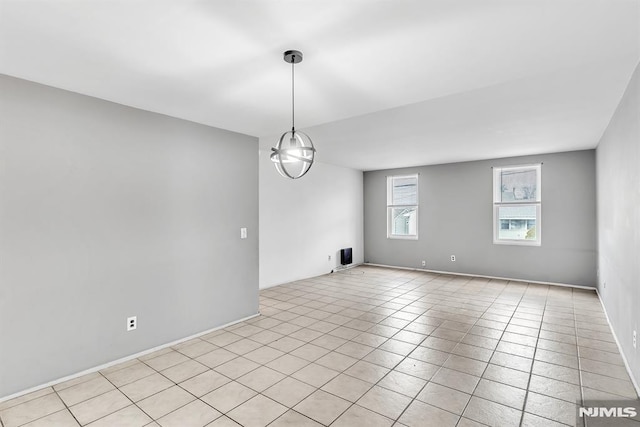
{"points": [[384, 83]]}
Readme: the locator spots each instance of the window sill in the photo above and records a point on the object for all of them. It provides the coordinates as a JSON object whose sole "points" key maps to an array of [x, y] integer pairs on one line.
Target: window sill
{"points": [[394, 237], [517, 242]]}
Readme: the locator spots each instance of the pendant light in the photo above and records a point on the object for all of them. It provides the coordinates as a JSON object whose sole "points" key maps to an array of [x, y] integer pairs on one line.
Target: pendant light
{"points": [[294, 153]]}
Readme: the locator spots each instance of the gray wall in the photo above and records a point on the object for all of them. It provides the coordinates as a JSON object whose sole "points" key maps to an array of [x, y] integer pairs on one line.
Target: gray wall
{"points": [[618, 177], [108, 212], [456, 218]]}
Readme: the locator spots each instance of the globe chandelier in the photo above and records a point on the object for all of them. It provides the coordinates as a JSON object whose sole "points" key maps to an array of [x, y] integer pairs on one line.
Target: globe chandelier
{"points": [[294, 153]]}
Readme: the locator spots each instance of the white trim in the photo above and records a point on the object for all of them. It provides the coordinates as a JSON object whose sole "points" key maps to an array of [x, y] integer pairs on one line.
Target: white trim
{"points": [[335, 269], [391, 206], [390, 235], [390, 180], [523, 242], [451, 273], [498, 203], [342, 268], [401, 237], [122, 360], [624, 359]]}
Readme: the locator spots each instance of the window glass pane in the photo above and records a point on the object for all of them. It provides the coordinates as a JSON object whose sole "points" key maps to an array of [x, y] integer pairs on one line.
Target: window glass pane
{"points": [[517, 185], [404, 191], [517, 222], [404, 221]]}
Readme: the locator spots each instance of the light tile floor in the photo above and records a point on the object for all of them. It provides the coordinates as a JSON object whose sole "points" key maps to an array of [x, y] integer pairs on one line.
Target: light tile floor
{"points": [[367, 346]]}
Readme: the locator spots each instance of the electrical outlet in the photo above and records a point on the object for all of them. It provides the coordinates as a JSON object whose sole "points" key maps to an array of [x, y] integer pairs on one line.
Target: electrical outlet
{"points": [[424, 263], [243, 233], [453, 258], [634, 339], [329, 258], [132, 323]]}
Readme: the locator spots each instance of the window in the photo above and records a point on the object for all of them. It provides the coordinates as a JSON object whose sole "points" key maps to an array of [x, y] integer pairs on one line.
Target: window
{"points": [[517, 205], [402, 207]]}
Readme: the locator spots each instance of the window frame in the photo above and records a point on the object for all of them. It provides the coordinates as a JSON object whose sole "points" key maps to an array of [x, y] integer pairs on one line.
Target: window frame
{"points": [[391, 206], [498, 203]]}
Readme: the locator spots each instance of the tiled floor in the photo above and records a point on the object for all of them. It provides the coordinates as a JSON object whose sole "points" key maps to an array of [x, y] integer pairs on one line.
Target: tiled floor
{"points": [[364, 347]]}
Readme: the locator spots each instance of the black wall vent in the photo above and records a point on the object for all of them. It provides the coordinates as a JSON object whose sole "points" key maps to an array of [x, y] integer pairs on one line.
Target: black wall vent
{"points": [[345, 256]]}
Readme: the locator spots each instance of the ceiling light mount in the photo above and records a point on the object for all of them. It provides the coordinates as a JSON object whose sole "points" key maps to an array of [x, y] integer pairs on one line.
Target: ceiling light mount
{"points": [[294, 154], [293, 56]]}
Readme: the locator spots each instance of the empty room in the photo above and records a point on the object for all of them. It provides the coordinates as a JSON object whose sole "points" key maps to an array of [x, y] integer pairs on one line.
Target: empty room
{"points": [[338, 213]]}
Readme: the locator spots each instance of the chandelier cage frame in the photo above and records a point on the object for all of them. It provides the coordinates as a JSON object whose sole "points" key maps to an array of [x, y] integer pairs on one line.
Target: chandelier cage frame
{"points": [[294, 153]]}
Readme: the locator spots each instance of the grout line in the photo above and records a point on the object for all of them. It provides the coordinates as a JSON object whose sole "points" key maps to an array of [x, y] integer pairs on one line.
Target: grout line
{"points": [[67, 408], [404, 357], [533, 360], [451, 295], [291, 409], [575, 327], [493, 352], [351, 404], [174, 385], [132, 402], [373, 348]]}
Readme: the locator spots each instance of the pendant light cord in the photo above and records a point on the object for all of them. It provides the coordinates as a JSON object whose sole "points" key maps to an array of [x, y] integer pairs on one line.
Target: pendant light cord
{"points": [[293, 101]]}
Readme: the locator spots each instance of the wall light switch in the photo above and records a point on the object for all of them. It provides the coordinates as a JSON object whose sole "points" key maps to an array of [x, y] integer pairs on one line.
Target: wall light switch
{"points": [[243, 233]]}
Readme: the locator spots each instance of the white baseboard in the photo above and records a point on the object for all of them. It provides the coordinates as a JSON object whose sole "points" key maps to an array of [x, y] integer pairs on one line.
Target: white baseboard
{"points": [[451, 273], [334, 270], [340, 268], [122, 360], [615, 337]]}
